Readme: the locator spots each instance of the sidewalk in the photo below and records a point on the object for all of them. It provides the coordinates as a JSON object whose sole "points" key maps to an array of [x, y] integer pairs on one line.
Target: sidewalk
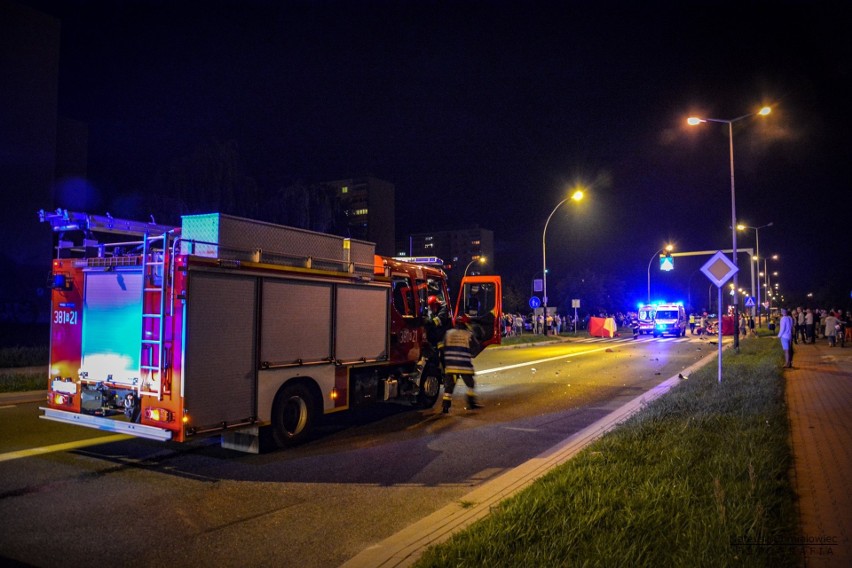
{"points": [[819, 402]]}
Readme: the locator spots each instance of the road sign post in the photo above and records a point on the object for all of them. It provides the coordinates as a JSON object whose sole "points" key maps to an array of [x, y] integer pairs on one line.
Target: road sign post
{"points": [[719, 269]]}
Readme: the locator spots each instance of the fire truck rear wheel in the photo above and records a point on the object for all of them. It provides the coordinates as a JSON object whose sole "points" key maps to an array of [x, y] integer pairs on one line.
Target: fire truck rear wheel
{"points": [[430, 388], [293, 415]]}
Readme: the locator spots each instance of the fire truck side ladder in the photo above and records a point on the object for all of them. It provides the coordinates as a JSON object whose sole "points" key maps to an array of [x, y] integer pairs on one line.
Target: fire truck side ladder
{"points": [[154, 286]]}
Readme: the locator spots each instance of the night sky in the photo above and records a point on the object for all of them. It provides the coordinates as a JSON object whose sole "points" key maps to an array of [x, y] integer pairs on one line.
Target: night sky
{"points": [[487, 112]]}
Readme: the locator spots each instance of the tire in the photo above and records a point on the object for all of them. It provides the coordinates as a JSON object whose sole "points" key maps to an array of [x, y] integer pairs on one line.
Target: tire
{"points": [[430, 388], [294, 414]]}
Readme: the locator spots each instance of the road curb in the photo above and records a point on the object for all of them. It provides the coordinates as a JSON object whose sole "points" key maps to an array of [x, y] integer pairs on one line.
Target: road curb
{"points": [[22, 397]]}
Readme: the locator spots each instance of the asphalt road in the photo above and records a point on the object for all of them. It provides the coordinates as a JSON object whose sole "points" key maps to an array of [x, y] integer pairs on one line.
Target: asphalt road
{"points": [[71, 496]]}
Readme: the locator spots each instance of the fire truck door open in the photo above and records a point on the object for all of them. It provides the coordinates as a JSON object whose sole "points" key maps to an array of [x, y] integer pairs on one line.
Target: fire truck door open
{"points": [[220, 348], [480, 299]]}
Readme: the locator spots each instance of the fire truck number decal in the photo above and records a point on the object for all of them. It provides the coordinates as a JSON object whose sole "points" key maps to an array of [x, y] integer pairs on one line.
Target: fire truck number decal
{"points": [[407, 336], [65, 317]]}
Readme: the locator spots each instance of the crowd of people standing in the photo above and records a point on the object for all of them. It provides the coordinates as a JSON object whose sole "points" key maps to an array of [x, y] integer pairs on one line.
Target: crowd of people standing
{"points": [[806, 326], [809, 325]]}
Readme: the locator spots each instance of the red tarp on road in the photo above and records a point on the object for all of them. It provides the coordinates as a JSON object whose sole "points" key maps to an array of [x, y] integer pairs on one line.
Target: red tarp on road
{"points": [[728, 327], [602, 327]]}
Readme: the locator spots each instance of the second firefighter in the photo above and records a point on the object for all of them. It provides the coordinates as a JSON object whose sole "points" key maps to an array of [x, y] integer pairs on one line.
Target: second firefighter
{"points": [[456, 351]]}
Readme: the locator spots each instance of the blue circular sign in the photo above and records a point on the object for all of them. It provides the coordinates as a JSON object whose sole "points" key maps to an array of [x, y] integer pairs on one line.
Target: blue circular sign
{"points": [[535, 302]]}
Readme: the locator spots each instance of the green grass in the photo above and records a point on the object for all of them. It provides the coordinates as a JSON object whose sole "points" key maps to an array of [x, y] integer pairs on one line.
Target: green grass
{"points": [[15, 376], [685, 482], [12, 381]]}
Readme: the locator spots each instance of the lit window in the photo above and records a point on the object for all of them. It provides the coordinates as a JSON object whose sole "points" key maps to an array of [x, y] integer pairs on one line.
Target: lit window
{"points": [[344, 189], [475, 243]]}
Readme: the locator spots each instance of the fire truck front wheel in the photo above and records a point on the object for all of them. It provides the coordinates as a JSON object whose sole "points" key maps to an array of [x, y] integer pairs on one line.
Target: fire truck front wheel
{"points": [[294, 413], [430, 388]]}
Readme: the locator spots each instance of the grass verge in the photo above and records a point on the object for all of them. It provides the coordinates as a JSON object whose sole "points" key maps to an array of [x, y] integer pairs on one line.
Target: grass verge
{"points": [[16, 373], [13, 381], [697, 478]]}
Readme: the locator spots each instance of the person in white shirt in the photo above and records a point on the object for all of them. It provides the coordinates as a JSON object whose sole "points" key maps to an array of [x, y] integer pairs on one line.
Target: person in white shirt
{"points": [[785, 334]]}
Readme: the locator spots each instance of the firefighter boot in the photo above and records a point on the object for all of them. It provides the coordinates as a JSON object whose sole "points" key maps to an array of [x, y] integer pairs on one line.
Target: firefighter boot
{"points": [[448, 401], [472, 402]]}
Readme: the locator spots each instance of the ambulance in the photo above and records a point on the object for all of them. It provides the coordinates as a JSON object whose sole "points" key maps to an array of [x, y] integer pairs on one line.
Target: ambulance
{"points": [[670, 319]]}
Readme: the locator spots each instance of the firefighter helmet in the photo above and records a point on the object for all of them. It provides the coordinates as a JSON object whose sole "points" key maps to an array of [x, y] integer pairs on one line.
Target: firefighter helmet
{"points": [[433, 301]]}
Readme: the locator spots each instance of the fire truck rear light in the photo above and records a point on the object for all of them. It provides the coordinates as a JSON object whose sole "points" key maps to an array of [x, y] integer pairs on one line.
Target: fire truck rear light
{"points": [[61, 399], [159, 414]]}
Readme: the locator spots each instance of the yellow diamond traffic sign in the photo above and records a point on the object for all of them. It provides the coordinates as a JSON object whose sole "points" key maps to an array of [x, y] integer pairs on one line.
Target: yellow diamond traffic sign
{"points": [[719, 268]]}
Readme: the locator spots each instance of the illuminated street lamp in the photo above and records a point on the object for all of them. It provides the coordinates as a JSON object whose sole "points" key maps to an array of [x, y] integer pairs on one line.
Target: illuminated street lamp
{"points": [[766, 280], [479, 259], [577, 195], [693, 120], [757, 258], [667, 248]]}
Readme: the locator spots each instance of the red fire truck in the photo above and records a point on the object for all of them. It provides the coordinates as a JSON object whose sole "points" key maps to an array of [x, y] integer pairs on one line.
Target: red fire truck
{"points": [[236, 327]]}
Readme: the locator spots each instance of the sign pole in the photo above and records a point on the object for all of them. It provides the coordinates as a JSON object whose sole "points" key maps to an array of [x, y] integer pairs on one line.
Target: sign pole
{"points": [[720, 334], [719, 270]]}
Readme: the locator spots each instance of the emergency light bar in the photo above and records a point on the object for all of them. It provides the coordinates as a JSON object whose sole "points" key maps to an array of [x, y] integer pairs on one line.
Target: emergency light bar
{"points": [[429, 260]]}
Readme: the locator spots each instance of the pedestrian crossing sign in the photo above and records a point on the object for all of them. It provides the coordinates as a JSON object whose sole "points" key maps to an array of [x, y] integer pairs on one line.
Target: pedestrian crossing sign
{"points": [[749, 302]]}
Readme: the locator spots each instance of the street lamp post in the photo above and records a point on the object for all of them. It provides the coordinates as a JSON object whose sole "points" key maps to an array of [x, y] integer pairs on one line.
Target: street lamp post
{"points": [[576, 196], [757, 257], [479, 259], [696, 120], [667, 248]]}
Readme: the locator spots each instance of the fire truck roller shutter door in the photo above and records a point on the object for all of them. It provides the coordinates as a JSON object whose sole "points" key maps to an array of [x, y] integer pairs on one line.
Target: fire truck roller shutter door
{"points": [[220, 370]]}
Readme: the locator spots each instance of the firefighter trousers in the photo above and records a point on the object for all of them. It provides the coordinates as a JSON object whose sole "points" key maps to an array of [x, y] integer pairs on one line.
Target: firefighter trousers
{"points": [[450, 385]]}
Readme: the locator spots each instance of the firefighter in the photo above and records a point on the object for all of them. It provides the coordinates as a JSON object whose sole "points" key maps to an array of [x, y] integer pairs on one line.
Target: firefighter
{"points": [[436, 322], [457, 354]]}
